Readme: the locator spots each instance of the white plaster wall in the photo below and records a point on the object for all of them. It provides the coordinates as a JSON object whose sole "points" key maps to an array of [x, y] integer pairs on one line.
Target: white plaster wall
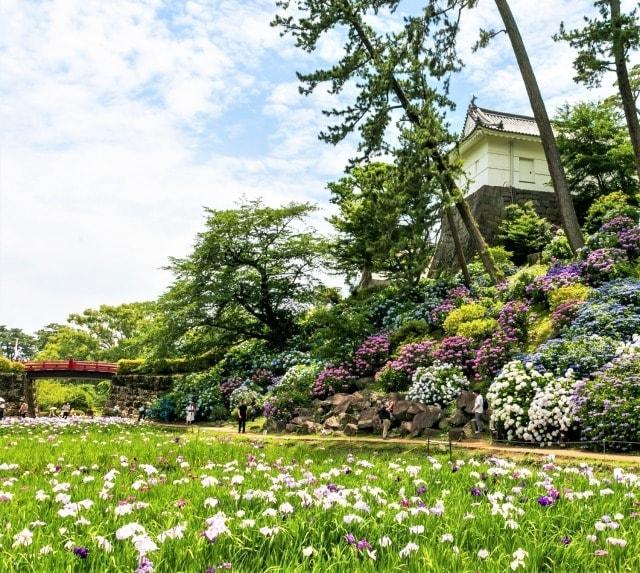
{"points": [[476, 165]]}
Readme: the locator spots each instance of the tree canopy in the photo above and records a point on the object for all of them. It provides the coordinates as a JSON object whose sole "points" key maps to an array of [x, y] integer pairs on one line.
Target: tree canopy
{"points": [[595, 148], [252, 271]]}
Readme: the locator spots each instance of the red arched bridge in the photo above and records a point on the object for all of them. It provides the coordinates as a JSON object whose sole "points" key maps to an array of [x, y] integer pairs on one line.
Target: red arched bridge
{"points": [[70, 369]]}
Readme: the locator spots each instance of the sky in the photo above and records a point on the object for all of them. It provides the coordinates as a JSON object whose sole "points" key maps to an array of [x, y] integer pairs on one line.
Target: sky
{"points": [[121, 120]]}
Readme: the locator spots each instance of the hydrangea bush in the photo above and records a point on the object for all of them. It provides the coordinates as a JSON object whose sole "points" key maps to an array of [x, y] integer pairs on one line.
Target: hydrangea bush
{"points": [[458, 350], [439, 384], [609, 403], [583, 354], [333, 379], [396, 374], [371, 354]]}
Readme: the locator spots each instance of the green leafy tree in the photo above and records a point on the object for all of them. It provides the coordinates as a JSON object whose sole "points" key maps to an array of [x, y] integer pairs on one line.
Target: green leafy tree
{"points": [[399, 77], [26, 343], [384, 223], [252, 271], [120, 331], [595, 148], [604, 44], [68, 342], [523, 232]]}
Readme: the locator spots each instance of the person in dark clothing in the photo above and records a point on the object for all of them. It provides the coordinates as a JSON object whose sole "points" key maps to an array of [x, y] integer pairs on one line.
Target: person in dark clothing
{"points": [[385, 414], [242, 418]]}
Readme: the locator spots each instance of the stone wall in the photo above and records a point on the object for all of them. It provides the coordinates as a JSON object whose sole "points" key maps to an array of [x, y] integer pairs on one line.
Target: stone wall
{"points": [[487, 205], [128, 392], [15, 388]]}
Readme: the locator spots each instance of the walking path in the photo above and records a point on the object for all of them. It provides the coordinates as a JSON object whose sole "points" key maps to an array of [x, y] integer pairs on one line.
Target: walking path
{"points": [[481, 445]]}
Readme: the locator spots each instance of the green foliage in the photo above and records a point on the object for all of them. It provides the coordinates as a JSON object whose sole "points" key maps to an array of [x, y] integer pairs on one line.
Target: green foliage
{"points": [[478, 328], [463, 314], [393, 380], [250, 274], [502, 260], [518, 283], [523, 232], [541, 330], [557, 249], [606, 208], [50, 393], [410, 331], [596, 151], [171, 365], [10, 366], [383, 225], [8, 337], [163, 409], [571, 293], [293, 392], [203, 388]]}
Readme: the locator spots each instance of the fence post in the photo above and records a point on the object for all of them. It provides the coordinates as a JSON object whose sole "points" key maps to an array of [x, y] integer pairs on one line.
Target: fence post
{"points": [[428, 445], [604, 446], [450, 450]]}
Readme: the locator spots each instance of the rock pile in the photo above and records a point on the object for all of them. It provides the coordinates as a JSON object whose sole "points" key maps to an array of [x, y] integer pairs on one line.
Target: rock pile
{"points": [[358, 413]]}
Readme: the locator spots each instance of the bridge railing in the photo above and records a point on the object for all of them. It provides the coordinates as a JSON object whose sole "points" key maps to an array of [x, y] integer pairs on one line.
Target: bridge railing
{"points": [[70, 365]]}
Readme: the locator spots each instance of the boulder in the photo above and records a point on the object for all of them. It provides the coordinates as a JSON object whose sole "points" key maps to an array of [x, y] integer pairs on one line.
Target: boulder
{"points": [[333, 423], [347, 419], [405, 410], [337, 403], [350, 430], [431, 433], [457, 434], [466, 401], [427, 419], [406, 428], [369, 419], [311, 427], [459, 419], [443, 424]]}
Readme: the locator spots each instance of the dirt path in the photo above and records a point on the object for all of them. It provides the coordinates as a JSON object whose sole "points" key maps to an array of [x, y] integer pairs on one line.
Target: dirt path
{"points": [[481, 445]]}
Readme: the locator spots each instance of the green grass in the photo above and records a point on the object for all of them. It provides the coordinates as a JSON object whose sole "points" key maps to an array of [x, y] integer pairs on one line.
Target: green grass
{"points": [[279, 471]]}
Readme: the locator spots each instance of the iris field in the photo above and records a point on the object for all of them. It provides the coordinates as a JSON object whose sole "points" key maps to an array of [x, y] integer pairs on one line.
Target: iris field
{"points": [[118, 497]]}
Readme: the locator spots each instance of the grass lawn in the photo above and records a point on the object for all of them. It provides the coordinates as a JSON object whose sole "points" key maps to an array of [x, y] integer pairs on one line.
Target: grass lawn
{"points": [[97, 497]]}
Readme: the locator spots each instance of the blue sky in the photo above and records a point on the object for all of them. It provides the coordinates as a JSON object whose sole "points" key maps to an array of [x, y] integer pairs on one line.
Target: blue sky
{"points": [[122, 119]]}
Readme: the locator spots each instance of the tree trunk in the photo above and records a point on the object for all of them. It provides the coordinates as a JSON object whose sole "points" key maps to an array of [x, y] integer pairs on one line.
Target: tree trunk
{"points": [[628, 102], [558, 178], [450, 187], [458, 246]]}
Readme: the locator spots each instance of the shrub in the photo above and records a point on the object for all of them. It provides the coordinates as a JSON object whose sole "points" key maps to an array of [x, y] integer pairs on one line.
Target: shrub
{"points": [[227, 387], [605, 264], [439, 384], [292, 393], [204, 389], [607, 207], [613, 311], [513, 318], [502, 259], [518, 283], [583, 355], [568, 294], [396, 375], [522, 231], [371, 354], [608, 404], [492, 355], [411, 331], [333, 379], [557, 276], [163, 409], [511, 395], [557, 249], [10, 366], [458, 350], [453, 299], [248, 396], [465, 313], [564, 314], [479, 328], [50, 393]]}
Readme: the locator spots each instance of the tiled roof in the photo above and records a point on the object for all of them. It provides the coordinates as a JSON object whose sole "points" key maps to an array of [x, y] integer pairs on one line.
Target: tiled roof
{"points": [[499, 121]]}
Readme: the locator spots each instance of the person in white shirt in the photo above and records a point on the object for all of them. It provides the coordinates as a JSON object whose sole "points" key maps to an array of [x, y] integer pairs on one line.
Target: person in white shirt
{"points": [[478, 411], [2, 407]]}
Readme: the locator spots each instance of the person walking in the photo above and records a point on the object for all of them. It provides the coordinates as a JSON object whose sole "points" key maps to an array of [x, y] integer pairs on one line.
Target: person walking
{"points": [[66, 410], [242, 418], [478, 412], [24, 410], [191, 413], [142, 412], [3, 405], [385, 414]]}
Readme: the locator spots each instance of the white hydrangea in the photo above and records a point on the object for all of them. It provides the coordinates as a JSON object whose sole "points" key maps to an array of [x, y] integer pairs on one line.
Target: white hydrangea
{"points": [[439, 383]]}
